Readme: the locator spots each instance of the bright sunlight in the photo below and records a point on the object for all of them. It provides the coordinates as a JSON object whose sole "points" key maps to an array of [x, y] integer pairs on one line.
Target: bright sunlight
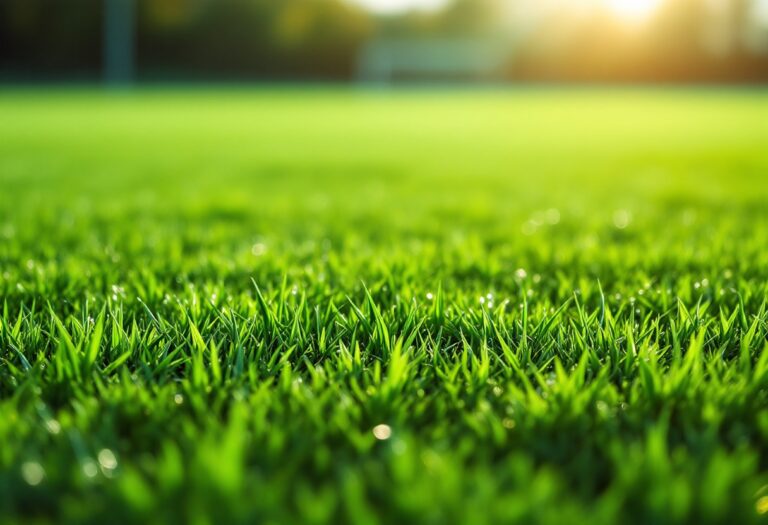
{"points": [[633, 10], [400, 6]]}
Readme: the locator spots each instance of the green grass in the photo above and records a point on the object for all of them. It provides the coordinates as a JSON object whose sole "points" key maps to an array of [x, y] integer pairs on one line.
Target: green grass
{"points": [[554, 300]]}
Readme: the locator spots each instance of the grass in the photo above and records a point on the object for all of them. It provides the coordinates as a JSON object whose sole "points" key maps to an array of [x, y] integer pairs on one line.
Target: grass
{"points": [[384, 307]]}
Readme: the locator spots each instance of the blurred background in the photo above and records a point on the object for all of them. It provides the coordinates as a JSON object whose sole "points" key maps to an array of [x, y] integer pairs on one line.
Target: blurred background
{"points": [[384, 41]]}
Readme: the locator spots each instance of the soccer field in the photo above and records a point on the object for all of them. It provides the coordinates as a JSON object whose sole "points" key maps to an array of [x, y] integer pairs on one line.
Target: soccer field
{"points": [[372, 306]]}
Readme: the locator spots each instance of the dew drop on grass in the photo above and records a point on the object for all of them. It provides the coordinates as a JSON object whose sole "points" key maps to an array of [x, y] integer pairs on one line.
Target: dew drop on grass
{"points": [[259, 249], [621, 219], [520, 273], [762, 505], [382, 432], [178, 399], [53, 426], [430, 296], [90, 469], [32, 472], [107, 459]]}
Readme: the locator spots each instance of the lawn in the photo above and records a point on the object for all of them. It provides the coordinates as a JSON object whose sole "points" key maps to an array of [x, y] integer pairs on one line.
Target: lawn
{"points": [[368, 306]]}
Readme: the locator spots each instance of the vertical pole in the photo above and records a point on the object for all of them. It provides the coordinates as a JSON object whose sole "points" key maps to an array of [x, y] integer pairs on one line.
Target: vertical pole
{"points": [[118, 44]]}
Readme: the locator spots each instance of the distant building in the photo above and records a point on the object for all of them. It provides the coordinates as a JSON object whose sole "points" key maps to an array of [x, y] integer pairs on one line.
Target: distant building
{"points": [[461, 59]]}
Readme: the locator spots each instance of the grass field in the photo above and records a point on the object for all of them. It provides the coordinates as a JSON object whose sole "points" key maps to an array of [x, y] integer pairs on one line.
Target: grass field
{"points": [[339, 306]]}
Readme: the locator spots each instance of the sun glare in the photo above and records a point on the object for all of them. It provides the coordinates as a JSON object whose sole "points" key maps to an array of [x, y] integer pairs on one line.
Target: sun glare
{"points": [[400, 6], [628, 10], [633, 10]]}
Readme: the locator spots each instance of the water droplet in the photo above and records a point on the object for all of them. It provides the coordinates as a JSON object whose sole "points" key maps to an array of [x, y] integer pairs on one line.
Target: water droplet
{"points": [[107, 459], [259, 249], [178, 399], [32, 472], [430, 296], [382, 432], [520, 273], [53, 426], [621, 219], [90, 469]]}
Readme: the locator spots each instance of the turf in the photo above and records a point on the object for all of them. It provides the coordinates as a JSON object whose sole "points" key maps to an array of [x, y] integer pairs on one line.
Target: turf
{"points": [[280, 306]]}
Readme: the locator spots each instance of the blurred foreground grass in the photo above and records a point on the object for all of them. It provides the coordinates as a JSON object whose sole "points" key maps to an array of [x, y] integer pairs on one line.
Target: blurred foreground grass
{"points": [[398, 306]]}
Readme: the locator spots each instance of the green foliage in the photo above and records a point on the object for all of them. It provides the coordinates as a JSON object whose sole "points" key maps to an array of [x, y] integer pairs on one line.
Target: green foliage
{"points": [[427, 307]]}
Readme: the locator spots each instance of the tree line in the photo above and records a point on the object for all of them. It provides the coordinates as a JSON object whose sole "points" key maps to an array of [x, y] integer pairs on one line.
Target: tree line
{"points": [[321, 40]]}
